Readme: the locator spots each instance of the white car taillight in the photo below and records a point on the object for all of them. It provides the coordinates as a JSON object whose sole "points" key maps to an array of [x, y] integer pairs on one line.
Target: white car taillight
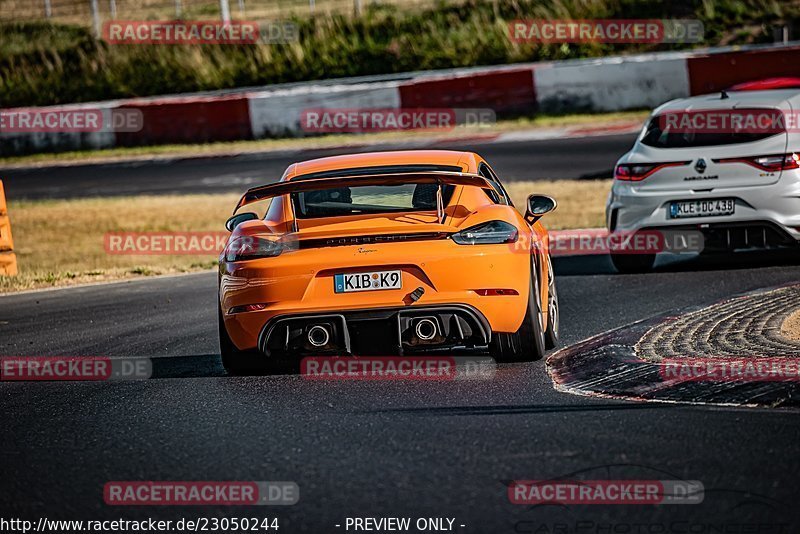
{"points": [[636, 172], [774, 162]]}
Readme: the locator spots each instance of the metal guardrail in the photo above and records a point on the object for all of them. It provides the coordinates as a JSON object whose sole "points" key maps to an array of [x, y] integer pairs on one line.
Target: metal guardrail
{"points": [[96, 12]]}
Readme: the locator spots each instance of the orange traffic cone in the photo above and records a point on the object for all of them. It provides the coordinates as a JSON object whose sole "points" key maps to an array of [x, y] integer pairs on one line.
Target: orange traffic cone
{"points": [[8, 260]]}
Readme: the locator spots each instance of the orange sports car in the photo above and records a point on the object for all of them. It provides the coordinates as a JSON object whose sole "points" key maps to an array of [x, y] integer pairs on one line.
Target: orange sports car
{"points": [[386, 253]]}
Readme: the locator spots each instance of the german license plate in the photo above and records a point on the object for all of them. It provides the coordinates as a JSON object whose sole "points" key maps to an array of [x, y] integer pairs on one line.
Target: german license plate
{"points": [[702, 208], [372, 281]]}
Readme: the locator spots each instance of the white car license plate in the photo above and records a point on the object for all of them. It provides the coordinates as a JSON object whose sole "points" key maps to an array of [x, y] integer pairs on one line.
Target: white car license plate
{"points": [[372, 281], [702, 208]]}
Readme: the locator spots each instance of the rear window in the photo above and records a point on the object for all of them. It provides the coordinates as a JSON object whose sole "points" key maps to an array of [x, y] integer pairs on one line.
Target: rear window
{"points": [[343, 201], [660, 136]]}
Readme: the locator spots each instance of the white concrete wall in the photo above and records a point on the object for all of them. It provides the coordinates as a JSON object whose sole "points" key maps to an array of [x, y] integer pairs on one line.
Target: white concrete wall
{"points": [[33, 142], [277, 113], [610, 84]]}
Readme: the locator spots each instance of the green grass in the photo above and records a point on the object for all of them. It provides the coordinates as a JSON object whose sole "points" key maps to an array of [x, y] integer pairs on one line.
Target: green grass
{"points": [[48, 64]]}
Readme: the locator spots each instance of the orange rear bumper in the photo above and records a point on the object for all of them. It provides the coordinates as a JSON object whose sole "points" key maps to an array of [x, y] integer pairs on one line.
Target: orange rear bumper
{"points": [[300, 282]]}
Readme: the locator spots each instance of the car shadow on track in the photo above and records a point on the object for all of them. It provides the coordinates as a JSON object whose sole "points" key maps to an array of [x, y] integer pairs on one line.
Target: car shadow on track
{"points": [[205, 366], [589, 265], [199, 366]]}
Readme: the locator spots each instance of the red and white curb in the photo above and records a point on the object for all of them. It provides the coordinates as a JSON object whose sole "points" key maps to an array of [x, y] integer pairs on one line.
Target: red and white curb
{"points": [[609, 366]]}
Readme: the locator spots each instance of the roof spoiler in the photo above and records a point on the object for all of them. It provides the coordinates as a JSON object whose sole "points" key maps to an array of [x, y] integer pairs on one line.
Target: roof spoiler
{"points": [[314, 184]]}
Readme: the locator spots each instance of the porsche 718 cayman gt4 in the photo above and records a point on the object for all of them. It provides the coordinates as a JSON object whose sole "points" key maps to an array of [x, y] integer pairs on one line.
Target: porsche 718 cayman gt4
{"points": [[393, 253]]}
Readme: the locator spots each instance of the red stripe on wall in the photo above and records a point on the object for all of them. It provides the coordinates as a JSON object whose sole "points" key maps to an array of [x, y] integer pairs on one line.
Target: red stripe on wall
{"points": [[502, 91], [190, 120], [714, 72]]}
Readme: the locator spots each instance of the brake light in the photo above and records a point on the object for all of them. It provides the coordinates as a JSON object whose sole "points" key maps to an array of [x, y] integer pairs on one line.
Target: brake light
{"points": [[251, 248], [488, 233], [636, 172], [769, 84], [772, 163]]}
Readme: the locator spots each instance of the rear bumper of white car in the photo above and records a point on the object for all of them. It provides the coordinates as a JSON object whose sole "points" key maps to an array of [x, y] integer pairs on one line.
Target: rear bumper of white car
{"points": [[764, 217]]}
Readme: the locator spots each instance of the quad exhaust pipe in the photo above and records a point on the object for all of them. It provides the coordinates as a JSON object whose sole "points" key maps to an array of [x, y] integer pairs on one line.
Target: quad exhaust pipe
{"points": [[318, 336], [412, 329], [426, 329]]}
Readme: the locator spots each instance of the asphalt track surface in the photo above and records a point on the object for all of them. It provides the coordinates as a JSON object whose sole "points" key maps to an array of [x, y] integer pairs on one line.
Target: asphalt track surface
{"points": [[381, 448], [579, 158], [361, 448]]}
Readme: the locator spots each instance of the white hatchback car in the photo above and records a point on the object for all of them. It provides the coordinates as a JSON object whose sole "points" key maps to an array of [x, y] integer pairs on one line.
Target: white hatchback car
{"points": [[695, 167]]}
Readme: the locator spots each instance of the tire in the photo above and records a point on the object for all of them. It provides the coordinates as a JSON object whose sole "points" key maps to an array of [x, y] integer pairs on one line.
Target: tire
{"points": [[633, 263], [528, 343], [239, 362], [554, 314]]}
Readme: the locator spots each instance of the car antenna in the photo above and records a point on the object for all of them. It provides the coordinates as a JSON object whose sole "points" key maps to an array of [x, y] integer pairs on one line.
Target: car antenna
{"points": [[723, 95]]}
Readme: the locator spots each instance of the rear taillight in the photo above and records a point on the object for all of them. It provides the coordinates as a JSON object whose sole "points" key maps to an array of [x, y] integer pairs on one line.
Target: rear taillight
{"points": [[251, 248], [772, 163], [488, 233], [636, 172]]}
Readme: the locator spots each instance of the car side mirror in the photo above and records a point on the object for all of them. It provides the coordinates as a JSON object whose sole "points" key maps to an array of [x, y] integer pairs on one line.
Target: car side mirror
{"points": [[539, 205], [239, 218]]}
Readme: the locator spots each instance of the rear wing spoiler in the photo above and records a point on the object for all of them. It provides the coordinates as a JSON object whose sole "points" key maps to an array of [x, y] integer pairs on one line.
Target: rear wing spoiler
{"points": [[315, 184]]}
